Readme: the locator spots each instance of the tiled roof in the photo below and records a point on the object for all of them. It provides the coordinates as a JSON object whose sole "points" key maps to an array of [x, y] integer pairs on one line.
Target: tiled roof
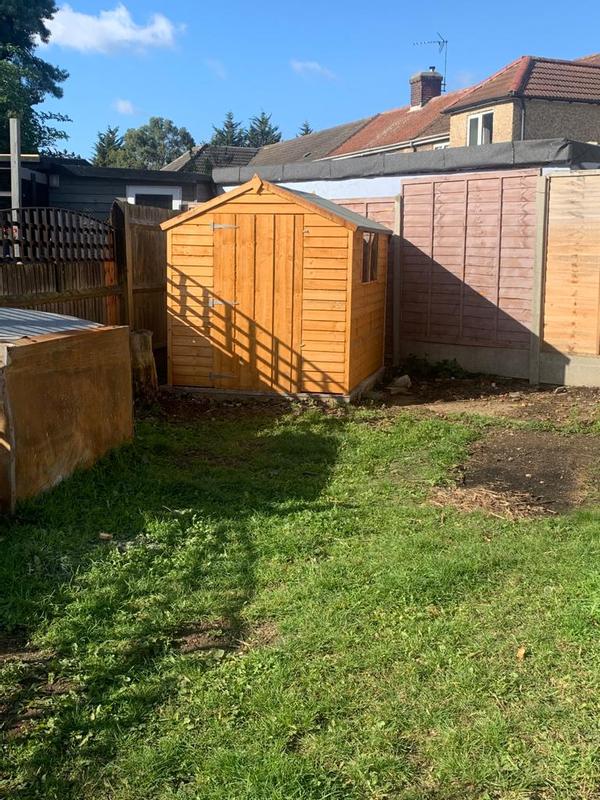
{"points": [[594, 58], [310, 147], [401, 125], [203, 158], [531, 76], [527, 76], [564, 80]]}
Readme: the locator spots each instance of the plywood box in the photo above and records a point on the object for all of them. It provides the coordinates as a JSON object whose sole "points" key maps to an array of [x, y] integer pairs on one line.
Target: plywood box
{"points": [[65, 400], [270, 290]]}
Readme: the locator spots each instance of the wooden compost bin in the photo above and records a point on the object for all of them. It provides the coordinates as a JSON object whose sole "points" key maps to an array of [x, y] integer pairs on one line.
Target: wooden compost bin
{"points": [[271, 290], [65, 398]]}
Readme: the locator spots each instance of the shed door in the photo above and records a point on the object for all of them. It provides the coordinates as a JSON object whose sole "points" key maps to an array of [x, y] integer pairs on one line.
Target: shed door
{"points": [[255, 313]]}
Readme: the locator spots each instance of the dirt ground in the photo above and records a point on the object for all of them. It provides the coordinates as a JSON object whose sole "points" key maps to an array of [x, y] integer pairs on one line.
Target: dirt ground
{"points": [[499, 397], [511, 472], [515, 472], [523, 473]]}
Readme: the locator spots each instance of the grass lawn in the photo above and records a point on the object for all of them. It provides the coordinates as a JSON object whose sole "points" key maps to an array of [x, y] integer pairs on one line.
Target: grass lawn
{"points": [[280, 614]]}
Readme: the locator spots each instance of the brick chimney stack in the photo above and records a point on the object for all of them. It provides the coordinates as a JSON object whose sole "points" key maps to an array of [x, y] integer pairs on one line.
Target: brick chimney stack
{"points": [[424, 86]]}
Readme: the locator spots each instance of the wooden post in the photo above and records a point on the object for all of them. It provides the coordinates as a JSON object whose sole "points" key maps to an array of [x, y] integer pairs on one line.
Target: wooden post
{"points": [[128, 265], [396, 243], [15, 162], [539, 279], [143, 367], [15, 176], [120, 219]]}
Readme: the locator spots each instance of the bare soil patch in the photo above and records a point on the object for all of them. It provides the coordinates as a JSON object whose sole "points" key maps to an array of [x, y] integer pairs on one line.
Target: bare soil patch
{"points": [[502, 397], [222, 635], [262, 634], [516, 473], [202, 636], [190, 407]]}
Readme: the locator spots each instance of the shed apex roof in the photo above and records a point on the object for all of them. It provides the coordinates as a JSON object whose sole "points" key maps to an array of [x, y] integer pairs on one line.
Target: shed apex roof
{"points": [[347, 218]]}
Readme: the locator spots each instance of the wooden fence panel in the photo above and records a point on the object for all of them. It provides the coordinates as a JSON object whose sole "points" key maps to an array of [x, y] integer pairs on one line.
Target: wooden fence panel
{"points": [[571, 302], [467, 259], [59, 261], [142, 249]]}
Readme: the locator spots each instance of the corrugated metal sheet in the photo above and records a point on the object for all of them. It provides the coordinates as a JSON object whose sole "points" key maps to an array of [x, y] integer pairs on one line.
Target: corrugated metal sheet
{"points": [[21, 323]]}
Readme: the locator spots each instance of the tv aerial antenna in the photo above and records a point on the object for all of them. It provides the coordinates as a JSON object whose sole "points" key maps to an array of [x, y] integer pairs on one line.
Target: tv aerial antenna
{"points": [[442, 44]]}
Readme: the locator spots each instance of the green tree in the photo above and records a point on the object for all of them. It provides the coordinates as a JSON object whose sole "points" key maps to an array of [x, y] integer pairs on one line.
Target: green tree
{"points": [[25, 79], [231, 133], [305, 129], [153, 145], [107, 148], [262, 131]]}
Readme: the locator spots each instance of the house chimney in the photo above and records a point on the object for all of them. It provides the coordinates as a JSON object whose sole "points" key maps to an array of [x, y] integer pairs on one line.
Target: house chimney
{"points": [[424, 86]]}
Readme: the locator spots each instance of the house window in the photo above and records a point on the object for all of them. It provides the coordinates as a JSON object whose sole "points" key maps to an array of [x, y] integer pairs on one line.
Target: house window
{"points": [[369, 260], [160, 196], [480, 128]]}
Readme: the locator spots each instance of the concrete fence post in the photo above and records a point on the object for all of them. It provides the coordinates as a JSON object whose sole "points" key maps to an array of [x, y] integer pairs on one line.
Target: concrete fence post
{"points": [[539, 278]]}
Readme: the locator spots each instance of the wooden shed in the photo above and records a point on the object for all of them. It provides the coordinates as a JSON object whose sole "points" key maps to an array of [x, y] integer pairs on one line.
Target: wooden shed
{"points": [[271, 290]]}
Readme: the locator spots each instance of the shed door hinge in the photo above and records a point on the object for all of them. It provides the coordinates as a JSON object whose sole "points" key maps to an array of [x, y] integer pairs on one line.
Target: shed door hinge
{"points": [[221, 226]]}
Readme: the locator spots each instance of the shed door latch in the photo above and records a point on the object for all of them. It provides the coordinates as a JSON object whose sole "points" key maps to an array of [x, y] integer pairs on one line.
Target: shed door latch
{"points": [[221, 226], [214, 302]]}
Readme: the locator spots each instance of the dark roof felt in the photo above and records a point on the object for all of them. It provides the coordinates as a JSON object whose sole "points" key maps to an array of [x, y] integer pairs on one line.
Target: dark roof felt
{"points": [[112, 173], [528, 153]]}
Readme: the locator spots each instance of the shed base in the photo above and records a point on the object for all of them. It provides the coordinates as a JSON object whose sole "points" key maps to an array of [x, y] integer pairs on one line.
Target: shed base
{"points": [[354, 395]]}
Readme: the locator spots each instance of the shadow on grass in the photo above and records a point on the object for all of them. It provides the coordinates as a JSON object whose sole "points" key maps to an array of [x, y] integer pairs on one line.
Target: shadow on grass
{"points": [[182, 504]]}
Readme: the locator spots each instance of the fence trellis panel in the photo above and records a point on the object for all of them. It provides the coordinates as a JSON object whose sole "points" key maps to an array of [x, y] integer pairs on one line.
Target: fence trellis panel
{"points": [[59, 260]]}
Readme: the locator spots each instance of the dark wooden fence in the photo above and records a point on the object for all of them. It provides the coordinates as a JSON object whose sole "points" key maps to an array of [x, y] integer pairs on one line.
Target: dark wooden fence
{"points": [[70, 263], [60, 261]]}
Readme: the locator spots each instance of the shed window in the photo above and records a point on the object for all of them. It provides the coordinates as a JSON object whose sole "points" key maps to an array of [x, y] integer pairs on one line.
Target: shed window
{"points": [[369, 262], [481, 128]]}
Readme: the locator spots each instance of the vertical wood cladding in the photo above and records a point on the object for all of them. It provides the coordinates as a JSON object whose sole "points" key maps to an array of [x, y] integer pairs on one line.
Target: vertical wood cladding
{"points": [[263, 298]]}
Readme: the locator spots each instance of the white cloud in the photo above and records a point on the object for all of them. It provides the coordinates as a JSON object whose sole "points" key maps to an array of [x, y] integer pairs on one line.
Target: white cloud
{"points": [[311, 68], [108, 30], [216, 67], [124, 106]]}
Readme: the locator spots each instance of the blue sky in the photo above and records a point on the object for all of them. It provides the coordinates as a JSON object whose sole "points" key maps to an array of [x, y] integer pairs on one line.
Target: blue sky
{"points": [[328, 62]]}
